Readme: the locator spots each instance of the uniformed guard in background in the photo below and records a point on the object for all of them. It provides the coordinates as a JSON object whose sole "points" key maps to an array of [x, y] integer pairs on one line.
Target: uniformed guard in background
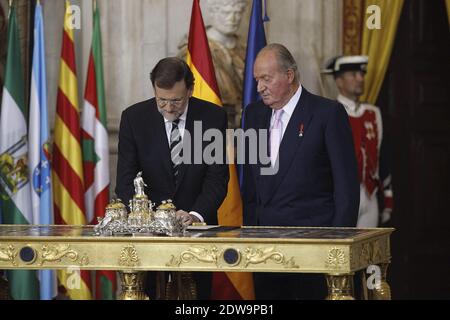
{"points": [[367, 126]]}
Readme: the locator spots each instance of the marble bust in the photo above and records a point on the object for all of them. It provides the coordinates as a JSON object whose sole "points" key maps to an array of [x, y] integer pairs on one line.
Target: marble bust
{"points": [[227, 51]]}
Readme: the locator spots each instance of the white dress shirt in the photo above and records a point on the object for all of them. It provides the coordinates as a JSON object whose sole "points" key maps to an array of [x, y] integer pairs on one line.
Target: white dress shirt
{"points": [[181, 126], [288, 110]]}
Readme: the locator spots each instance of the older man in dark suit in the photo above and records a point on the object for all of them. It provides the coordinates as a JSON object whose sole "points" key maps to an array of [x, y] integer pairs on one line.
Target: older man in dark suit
{"points": [[313, 181], [153, 138]]}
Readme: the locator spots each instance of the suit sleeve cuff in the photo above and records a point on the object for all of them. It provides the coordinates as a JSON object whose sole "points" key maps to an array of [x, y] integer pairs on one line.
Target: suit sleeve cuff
{"points": [[198, 215]]}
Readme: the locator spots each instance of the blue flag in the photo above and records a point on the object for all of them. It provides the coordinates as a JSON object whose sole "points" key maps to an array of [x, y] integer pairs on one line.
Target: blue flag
{"points": [[256, 41], [40, 171]]}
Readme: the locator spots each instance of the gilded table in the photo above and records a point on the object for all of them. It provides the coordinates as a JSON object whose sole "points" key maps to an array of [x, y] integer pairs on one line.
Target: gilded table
{"points": [[336, 252]]}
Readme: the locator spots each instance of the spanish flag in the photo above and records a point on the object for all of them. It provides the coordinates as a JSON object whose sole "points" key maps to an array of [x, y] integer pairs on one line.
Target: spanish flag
{"points": [[230, 285], [68, 191]]}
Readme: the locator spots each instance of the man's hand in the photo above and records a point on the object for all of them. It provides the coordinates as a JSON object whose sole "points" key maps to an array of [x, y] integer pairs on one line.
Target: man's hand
{"points": [[186, 218]]}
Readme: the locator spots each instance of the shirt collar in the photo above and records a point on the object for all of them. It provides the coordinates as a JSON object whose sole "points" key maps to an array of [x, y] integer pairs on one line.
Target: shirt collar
{"points": [[349, 104], [182, 117], [290, 106]]}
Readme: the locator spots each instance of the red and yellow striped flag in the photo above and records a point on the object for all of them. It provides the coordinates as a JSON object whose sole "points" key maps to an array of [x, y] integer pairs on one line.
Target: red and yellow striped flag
{"points": [[230, 285], [68, 190]]}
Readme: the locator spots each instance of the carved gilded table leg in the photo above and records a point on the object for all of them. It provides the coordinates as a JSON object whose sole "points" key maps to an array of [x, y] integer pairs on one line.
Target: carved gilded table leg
{"points": [[132, 285], [383, 290], [340, 287]]}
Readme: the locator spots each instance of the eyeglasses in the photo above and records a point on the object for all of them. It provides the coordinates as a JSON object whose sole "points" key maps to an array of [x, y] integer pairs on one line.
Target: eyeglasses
{"points": [[172, 102]]}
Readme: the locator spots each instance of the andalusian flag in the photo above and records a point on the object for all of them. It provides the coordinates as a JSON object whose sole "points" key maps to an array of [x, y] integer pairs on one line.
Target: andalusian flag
{"points": [[95, 151], [231, 285], [15, 189], [39, 136], [68, 183]]}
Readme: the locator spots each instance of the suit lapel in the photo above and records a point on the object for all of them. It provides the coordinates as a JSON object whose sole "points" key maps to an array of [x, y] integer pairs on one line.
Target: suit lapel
{"points": [[162, 145], [262, 122], [291, 142], [193, 113]]}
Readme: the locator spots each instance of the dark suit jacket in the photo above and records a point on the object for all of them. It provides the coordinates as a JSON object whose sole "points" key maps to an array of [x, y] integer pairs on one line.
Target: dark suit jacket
{"points": [[317, 181], [143, 146]]}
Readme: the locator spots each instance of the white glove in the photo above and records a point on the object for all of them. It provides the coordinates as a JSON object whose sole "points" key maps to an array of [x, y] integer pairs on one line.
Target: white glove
{"points": [[386, 215]]}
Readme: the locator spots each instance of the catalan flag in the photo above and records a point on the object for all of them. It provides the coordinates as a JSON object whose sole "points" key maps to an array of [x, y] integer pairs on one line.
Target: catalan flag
{"points": [[68, 192], [231, 285], [95, 150]]}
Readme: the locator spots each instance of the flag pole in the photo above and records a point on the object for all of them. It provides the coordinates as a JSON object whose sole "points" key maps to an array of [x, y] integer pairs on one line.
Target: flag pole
{"points": [[9, 8], [94, 5]]}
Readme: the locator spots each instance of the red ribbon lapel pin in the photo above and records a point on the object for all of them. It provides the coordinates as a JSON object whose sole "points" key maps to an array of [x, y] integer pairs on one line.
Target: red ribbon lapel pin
{"points": [[300, 132]]}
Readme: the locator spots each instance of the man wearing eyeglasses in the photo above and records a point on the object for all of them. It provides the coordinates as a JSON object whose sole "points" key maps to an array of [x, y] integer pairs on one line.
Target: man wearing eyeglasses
{"points": [[154, 138]]}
